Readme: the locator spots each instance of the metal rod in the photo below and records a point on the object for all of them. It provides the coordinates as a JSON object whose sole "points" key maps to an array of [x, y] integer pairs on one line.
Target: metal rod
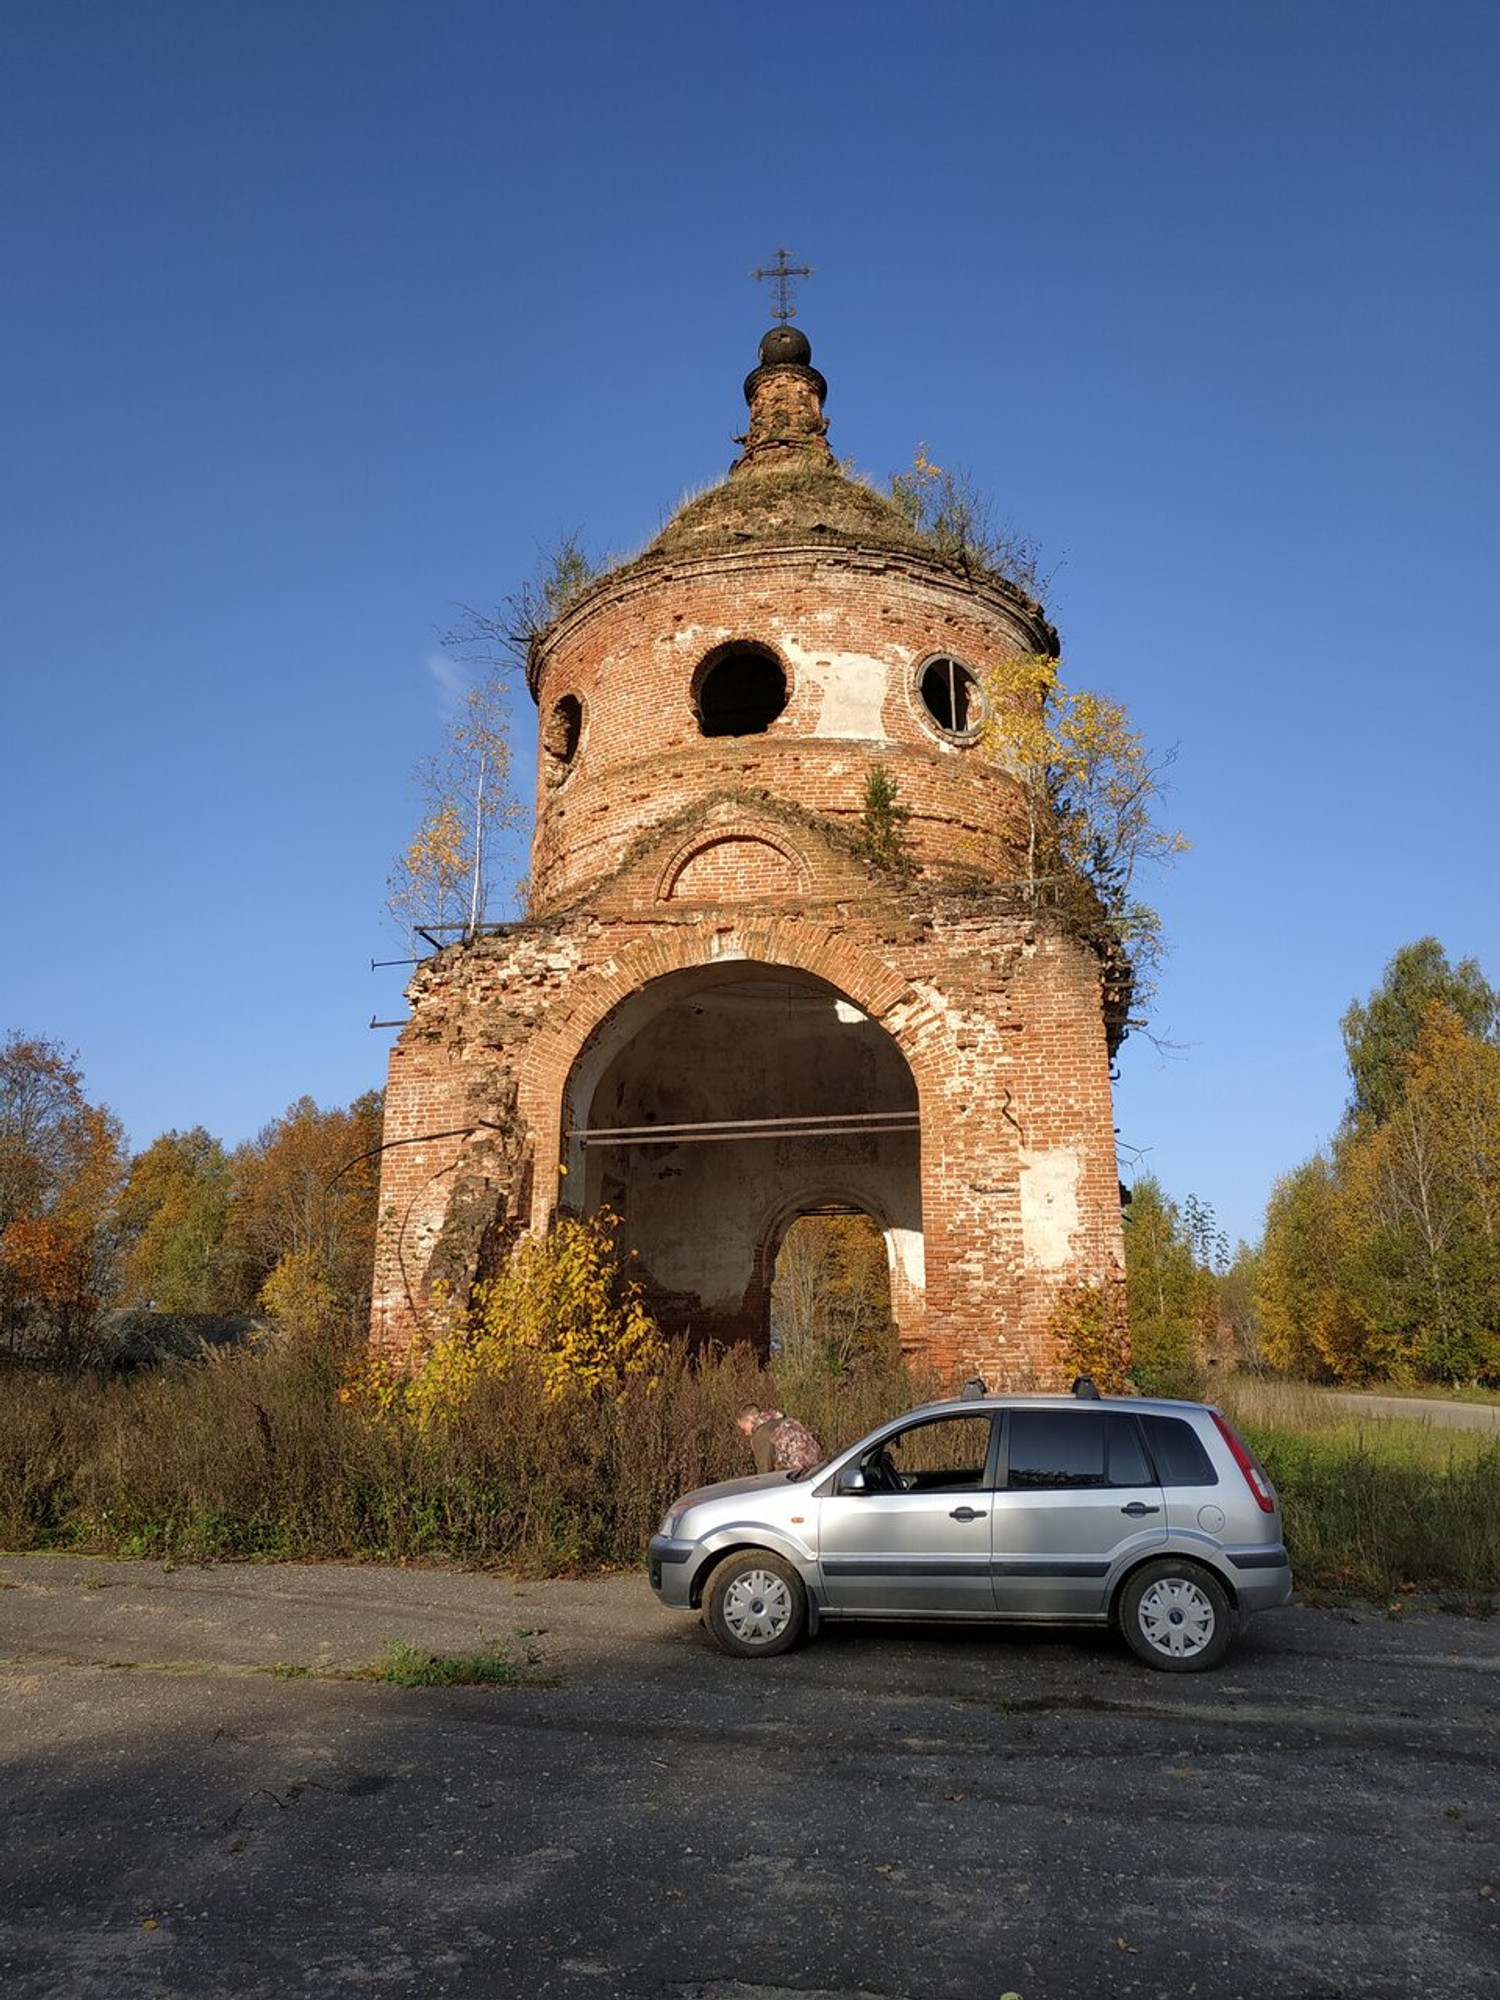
{"points": [[375, 963], [723, 1139], [853, 1124], [388, 1024], [815, 1118]]}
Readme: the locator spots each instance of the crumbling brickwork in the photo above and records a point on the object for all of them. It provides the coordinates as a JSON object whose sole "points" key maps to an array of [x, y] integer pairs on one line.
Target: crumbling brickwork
{"points": [[719, 1015]]}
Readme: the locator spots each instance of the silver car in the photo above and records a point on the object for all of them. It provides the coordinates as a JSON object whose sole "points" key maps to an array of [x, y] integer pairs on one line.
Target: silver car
{"points": [[1040, 1510]]}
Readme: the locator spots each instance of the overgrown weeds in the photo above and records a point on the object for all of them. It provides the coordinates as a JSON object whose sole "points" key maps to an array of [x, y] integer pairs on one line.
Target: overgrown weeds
{"points": [[1375, 1507], [267, 1455]]}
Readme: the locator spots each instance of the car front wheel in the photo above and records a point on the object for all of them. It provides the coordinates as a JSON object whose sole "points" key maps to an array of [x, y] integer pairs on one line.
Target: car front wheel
{"points": [[1176, 1616], [756, 1604]]}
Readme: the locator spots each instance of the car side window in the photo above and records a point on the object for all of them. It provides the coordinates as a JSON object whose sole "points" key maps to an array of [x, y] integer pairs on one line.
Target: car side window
{"points": [[1051, 1448], [1126, 1455], [948, 1455], [1178, 1452]]}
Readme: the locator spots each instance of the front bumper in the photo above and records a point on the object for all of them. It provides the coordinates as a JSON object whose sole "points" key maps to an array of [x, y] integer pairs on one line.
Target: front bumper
{"points": [[667, 1567]]}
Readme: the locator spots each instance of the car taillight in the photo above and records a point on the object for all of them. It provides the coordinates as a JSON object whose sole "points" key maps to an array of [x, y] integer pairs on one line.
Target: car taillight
{"points": [[1255, 1479]]}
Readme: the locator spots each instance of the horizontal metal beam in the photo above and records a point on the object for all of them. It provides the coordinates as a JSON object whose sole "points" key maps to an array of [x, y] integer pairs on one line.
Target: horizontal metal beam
{"points": [[835, 1125]]}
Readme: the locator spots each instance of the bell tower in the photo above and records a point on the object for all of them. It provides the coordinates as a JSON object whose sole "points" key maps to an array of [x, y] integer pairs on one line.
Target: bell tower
{"points": [[730, 1006]]}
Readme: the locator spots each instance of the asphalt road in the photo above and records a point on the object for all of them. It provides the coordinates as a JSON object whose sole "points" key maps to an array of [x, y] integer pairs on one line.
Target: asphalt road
{"points": [[1421, 1409], [884, 1813]]}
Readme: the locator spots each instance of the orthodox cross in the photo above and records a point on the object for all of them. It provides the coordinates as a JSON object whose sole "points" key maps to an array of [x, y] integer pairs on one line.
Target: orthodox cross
{"points": [[781, 274]]}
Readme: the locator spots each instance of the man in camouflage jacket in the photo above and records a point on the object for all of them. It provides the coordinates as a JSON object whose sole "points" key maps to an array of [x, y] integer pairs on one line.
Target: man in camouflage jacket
{"points": [[779, 1442]]}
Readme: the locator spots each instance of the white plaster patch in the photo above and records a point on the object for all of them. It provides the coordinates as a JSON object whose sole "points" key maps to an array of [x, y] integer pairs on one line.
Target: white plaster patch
{"points": [[907, 1252], [1049, 1206], [699, 637], [851, 689]]}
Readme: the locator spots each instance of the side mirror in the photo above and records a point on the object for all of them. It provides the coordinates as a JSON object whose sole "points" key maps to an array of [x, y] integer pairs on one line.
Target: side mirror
{"points": [[853, 1480]]}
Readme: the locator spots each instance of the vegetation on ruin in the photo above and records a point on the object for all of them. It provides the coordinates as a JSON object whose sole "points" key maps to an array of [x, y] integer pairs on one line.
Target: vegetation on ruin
{"points": [[565, 1309], [956, 519], [831, 1303], [1092, 804], [1091, 1324], [499, 642], [883, 839], [445, 883]]}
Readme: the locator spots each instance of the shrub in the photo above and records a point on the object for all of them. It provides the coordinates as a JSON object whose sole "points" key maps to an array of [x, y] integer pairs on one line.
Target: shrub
{"points": [[1091, 1325]]}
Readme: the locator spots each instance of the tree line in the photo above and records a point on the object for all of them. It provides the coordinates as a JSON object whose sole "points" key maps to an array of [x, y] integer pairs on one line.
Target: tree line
{"points": [[1380, 1259], [283, 1225]]}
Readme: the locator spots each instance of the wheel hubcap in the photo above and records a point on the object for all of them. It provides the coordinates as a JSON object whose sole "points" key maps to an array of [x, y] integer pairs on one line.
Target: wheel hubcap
{"points": [[757, 1607], [1177, 1617]]}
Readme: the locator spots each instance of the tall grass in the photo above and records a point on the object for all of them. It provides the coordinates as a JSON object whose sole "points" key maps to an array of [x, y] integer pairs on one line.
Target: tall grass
{"points": [[1376, 1507], [259, 1454]]}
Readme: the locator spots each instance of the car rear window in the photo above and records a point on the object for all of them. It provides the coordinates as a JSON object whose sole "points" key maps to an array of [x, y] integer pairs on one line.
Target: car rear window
{"points": [[1178, 1452]]}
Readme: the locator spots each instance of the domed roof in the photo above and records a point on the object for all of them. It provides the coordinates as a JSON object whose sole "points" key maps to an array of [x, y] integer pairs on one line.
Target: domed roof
{"points": [[787, 490], [787, 504], [786, 486]]}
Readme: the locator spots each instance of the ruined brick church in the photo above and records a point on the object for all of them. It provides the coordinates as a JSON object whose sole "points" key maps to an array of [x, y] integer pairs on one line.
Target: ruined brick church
{"points": [[727, 1008]]}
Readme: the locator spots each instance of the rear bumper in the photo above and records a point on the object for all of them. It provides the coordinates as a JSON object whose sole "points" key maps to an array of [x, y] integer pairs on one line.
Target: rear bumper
{"points": [[1262, 1577]]}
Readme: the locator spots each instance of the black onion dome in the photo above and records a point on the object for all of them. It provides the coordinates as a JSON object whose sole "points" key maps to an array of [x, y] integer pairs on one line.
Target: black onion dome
{"points": [[783, 345]]}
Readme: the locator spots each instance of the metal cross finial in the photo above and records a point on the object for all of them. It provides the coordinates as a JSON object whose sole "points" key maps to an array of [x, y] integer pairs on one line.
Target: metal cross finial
{"points": [[781, 274]]}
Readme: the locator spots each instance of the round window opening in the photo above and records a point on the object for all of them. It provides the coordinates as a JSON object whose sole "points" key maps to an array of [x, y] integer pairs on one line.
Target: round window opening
{"points": [[952, 696], [741, 691], [563, 734]]}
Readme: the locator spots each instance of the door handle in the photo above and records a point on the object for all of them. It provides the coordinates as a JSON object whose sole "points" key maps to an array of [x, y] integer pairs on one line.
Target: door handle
{"points": [[1138, 1508], [967, 1514]]}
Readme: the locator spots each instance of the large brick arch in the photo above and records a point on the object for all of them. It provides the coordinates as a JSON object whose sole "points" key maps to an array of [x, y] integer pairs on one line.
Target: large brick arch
{"points": [[878, 989]]}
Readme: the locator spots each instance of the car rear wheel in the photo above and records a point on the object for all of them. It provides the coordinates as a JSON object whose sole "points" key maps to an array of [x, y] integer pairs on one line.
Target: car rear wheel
{"points": [[756, 1604], [1176, 1616]]}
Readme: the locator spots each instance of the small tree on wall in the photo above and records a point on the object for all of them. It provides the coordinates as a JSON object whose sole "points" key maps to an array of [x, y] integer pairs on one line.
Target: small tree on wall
{"points": [[1091, 794], [883, 839], [443, 881], [500, 641]]}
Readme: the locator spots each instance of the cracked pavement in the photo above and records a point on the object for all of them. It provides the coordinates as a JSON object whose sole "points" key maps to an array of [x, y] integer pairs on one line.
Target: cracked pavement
{"points": [[201, 1803]]}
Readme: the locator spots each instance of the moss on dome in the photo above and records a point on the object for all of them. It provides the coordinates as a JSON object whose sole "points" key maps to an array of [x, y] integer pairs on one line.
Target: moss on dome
{"points": [[790, 504]]}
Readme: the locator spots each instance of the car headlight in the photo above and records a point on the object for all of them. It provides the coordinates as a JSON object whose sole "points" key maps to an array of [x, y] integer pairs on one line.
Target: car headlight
{"points": [[672, 1521]]}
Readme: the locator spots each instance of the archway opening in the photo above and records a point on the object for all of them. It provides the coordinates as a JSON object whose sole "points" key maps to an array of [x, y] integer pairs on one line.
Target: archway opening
{"points": [[716, 1105], [831, 1292]]}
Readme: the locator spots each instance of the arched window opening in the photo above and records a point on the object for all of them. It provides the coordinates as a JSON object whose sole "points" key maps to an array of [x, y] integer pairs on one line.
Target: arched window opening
{"points": [[831, 1293], [563, 734], [741, 691], [952, 696]]}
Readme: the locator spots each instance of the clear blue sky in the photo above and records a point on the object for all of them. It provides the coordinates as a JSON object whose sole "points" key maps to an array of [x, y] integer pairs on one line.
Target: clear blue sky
{"points": [[321, 318]]}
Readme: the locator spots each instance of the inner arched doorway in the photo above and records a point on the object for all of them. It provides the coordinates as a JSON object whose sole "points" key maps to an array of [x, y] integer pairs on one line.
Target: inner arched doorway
{"points": [[831, 1294], [716, 1104]]}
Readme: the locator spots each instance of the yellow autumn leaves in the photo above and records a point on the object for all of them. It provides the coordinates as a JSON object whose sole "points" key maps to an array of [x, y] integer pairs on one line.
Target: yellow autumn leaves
{"points": [[562, 1307]]}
